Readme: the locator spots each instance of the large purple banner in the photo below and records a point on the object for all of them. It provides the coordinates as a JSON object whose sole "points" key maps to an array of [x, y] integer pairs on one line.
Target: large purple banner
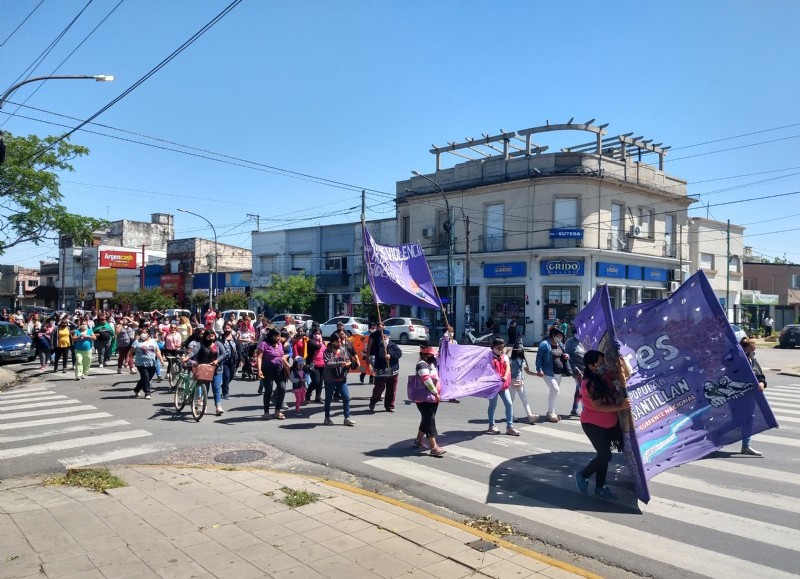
{"points": [[692, 389], [399, 274], [467, 371], [596, 331]]}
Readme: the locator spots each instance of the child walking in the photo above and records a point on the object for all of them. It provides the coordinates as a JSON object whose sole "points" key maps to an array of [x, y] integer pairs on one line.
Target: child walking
{"points": [[519, 367], [297, 376]]}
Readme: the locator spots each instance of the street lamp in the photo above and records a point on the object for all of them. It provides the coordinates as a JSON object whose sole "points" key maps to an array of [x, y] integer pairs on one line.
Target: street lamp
{"points": [[210, 283], [448, 227]]}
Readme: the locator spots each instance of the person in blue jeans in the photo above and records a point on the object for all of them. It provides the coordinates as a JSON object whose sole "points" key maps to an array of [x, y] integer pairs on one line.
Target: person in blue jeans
{"points": [[334, 377], [502, 366], [211, 351]]}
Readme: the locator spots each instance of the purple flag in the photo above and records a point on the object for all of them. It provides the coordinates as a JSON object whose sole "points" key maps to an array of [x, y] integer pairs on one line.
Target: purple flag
{"points": [[693, 390], [399, 274], [596, 331], [467, 371]]}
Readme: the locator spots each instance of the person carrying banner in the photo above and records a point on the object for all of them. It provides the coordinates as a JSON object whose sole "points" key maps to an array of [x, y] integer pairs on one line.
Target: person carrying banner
{"points": [[502, 366], [429, 374], [749, 347], [550, 360], [600, 423], [575, 351], [334, 377]]}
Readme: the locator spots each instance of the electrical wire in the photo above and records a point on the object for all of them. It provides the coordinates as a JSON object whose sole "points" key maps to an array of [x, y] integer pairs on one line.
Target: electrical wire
{"points": [[24, 20]]}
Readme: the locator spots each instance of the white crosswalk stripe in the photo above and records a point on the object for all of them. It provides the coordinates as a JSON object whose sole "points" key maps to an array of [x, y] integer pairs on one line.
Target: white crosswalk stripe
{"points": [[13, 402]]}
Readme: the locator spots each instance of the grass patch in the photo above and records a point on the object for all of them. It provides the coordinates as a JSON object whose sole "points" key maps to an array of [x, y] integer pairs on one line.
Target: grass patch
{"points": [[97, 479], [296, 498], [491, 526]]}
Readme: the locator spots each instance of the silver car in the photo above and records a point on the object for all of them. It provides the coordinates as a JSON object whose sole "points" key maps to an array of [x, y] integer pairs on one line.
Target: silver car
{"points": [[300, 321], [352, 325], [406, 330]]}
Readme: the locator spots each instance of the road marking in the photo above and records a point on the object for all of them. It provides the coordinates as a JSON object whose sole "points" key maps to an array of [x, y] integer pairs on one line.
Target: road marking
{"points": [[3, 409], [30, 413], [67, 430], [72, 443], [10, 403], [746, 468], [694, 515], [789, 419], [635, 541], [89, 459], [25, 393], [48, 421], [786, 410]]}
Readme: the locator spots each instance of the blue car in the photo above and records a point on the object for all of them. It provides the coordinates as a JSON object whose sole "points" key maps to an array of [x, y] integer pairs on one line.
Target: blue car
{"points": [[15, 344]]}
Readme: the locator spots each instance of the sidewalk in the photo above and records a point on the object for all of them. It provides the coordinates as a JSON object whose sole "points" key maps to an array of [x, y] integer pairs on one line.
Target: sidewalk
{"points": [[182, 522]]}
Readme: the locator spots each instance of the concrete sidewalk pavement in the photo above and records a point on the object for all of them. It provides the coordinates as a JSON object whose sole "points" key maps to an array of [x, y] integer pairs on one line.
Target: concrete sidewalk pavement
{"points": [[182, 522]]}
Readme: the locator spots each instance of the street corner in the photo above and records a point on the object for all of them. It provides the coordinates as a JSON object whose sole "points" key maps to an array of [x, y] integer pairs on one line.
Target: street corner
{"points": [[246, 454]]}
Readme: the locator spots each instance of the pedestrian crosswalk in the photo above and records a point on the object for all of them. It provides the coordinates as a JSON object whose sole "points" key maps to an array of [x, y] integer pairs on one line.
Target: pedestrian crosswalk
{"points": [[40, 421], [726, 515]]}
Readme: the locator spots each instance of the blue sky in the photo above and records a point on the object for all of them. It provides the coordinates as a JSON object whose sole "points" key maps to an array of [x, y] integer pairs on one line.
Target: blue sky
{"points": [[357, 91]]}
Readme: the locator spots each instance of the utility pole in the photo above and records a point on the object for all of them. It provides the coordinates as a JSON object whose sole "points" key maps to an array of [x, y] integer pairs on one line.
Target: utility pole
{"points": [[363, 227], [258, 220], [466, 261], [141, 277], [728, 273]]}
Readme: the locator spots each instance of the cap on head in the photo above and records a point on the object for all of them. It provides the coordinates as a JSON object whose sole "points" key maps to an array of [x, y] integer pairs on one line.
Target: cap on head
{"points": [[427, 350]]}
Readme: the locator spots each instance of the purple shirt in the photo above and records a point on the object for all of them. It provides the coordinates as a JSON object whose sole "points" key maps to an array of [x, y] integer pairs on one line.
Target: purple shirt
{"points": [[271, 356]]}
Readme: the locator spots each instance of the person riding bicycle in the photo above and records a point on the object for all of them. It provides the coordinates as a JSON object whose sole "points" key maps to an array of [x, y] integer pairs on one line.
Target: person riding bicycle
{"points": [[211, 351]]}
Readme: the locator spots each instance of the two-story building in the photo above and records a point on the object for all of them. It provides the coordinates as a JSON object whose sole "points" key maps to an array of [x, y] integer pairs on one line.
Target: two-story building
{"points": [[535, 230], [771, 289]]}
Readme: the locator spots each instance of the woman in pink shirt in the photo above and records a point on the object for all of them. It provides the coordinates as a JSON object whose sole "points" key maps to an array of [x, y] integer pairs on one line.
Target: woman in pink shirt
{"points": [[601, 402]]}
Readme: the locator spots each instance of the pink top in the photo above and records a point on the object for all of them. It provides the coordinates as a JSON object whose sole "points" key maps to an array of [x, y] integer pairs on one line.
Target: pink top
{"points": [[592, 416], [173, 341]]}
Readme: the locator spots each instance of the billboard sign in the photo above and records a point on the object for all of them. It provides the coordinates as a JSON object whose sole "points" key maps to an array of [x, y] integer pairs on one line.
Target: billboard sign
{"points": [[118, 259]]}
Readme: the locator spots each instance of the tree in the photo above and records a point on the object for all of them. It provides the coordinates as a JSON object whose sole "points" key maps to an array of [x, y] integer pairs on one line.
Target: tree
{"points": [[232, 301], [293, 294], [149, 299], [30, 199], [198, 299], [367, 309], [124, 300]]}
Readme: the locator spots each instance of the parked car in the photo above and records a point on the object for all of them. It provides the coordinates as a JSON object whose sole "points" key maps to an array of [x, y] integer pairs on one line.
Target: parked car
{"points": [[738, 332], [223, 317], [303, 320], [175, 312], [15, 344], [406, 330], [352, 325], [789, 336]]}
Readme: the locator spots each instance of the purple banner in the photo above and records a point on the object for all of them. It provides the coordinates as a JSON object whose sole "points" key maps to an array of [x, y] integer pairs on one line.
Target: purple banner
{"points": [[693, 390], [596, 331], [467, 371], [399, 274]]}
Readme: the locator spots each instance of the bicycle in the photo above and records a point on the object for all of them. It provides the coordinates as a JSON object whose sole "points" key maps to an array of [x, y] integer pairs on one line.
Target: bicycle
{"points": [[189, 390], [471, 339], [173, 370]]}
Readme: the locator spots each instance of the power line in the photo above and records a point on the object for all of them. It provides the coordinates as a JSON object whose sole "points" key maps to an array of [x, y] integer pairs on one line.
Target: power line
{"points": [[24, 20]]}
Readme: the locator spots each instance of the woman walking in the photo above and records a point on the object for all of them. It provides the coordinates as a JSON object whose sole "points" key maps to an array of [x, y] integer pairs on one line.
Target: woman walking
{"points": [[126, 335], [273, 366], [143, 353], [550, 360], [211, 351], [316, 359], [62, 337], [599, 420], [231, 361], [429, 374], [749, 347], [83, 338], [337, 364], [519, 367], [502, 366], [44, 343]]}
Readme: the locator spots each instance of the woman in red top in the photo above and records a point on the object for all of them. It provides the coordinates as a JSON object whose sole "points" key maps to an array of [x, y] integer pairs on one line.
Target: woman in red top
{"points": [[600, 422]]}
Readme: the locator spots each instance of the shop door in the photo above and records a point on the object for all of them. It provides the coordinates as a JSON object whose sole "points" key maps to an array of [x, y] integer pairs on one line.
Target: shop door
{"points": [[506, 302], [560, 303]]}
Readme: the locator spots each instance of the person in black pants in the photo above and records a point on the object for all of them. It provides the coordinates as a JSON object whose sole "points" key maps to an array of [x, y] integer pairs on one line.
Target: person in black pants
{"points": [[314, 359]]}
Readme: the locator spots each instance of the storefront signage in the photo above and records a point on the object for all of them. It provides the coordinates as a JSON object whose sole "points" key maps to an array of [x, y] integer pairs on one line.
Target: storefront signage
{"points": [[511, 269], [118, 259], [566, 233], [610, 269], [635, 272], [172, 282], [561, 267], [656, 274]]}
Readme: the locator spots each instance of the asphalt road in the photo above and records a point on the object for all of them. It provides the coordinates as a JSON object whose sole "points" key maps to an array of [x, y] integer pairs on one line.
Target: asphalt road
{"points": [[727, 515]]}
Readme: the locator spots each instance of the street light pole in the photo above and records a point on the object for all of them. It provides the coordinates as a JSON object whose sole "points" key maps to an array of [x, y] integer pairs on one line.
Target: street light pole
{"points": [[210, 285], [448, 227]]}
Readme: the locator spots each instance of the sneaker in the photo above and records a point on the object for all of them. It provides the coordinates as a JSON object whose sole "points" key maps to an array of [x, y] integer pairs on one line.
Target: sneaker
{"points": [[372, 407], [133, 371], [220, 411], [119, 370], [84, 376], [575, 413], [134, 394], [552, 417], [77, 378], [604, 494], [147, 397], [328, 422], [749, 450], [582, 483], [267, 416], [493, 430], [533, 418], [511, 431], [280, 416], [390, 410], [226, 397], [348, 422]]}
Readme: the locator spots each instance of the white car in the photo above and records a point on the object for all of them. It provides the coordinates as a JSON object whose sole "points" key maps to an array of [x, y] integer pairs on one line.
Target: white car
{"points": [[300, 321], [738, 332], [406, 330], [352, 325]]}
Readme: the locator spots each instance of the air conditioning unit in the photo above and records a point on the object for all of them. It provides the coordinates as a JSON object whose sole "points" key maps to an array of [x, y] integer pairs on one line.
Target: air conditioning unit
{"points": [[673, 286], [428, 231], [635, 231], [677, 275]]}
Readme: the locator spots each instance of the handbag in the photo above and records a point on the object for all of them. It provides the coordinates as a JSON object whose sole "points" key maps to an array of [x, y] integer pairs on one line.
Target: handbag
{"points": [[204, 372], [567, 371], [418, 392]]}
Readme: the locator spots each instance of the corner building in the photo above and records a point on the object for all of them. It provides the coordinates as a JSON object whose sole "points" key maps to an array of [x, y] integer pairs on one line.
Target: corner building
{"points": [[540, 222]]}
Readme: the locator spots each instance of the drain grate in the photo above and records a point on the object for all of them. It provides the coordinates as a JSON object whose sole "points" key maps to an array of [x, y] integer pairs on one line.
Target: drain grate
{"points": [[239, 456], [482, 546]]}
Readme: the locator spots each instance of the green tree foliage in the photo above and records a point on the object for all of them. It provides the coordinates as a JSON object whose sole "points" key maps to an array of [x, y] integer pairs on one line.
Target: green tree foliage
{"points": [[294, 293], [232, 301], [367, 309], [124, 300], [198, 299], [149, 299], [31, 208]]}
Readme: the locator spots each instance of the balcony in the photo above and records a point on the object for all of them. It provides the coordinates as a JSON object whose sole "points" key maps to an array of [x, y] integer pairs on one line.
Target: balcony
{"points": [[328, 279]]}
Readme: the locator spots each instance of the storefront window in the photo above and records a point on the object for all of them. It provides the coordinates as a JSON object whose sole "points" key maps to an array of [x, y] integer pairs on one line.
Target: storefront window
{"points": [[506, 302], [560, 303], [631, 296], [651, 295]]}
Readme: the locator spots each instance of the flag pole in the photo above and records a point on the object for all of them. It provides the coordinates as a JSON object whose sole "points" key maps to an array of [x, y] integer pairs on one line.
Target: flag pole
{"points": [[369, 271]]}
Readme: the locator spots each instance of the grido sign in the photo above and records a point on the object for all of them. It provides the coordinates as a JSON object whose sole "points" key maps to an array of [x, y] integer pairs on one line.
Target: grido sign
{"points": [[561, 267], [118, 259]]}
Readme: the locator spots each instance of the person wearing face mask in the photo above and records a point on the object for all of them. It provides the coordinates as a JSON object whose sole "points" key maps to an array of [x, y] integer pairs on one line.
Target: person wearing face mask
{"points": [[334, 377], [126, 335], [429, 374], [83, 338], [316, 358], [502, 366], [273, 367], [550, 359], [600, 422], [749, 347], [144, 352], [231, 361], [211, 351], [63, 342]]}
